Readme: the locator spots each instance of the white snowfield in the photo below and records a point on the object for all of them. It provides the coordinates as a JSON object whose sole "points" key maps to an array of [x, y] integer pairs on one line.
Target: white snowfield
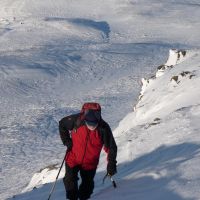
{"points": [[158, 143], [55, 55]]}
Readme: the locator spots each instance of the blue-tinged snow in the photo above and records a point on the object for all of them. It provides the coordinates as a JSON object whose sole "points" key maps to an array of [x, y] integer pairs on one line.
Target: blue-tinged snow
{"points": [[158, 143], [55, 55]]}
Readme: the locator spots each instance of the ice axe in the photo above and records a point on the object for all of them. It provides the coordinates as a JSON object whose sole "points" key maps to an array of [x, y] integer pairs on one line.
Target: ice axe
{"points": [[111, 179]]}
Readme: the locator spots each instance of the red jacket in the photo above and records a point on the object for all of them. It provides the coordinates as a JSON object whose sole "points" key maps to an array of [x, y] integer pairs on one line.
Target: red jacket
{"points": [[87, 144]]}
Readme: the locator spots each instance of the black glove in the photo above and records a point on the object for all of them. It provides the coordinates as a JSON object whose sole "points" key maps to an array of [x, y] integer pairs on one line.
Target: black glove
{"points": [[111, 168], [69, 144]]}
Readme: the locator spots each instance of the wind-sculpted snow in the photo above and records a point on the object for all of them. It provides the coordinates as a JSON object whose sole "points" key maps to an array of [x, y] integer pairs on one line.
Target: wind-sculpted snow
{"points": [[178, 78], [41, 87], [160, 155], [88, 23]]}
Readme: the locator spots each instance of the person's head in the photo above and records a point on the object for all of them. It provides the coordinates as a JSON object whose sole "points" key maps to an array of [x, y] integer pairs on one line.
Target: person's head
{"points": [[92, 119]]}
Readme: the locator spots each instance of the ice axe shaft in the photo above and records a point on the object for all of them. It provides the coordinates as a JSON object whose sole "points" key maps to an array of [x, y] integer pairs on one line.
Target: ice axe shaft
{"points": [[111, 179], [113, 182]]}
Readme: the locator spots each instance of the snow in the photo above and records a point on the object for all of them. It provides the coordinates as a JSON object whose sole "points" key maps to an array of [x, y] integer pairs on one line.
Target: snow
{"points": [[158, 157], [56, 55], [159, 142]]}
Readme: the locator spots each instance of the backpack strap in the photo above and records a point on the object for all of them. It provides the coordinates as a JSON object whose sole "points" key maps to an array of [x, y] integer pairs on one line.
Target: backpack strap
{"points": [[78, 122]]}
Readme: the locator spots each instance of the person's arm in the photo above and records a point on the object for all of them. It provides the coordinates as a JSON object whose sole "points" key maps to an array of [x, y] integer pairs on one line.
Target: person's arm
{"points": [[110, 148], [65, 126]]}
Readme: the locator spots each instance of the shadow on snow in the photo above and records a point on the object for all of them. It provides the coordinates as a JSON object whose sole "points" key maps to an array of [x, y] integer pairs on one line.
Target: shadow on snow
{"points": [[88, 23], [145, 186]]}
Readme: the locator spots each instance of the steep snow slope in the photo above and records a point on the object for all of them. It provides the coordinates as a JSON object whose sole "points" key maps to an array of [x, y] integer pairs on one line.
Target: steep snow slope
{"points": [[56, 55], [159, 152], [162, 153]]}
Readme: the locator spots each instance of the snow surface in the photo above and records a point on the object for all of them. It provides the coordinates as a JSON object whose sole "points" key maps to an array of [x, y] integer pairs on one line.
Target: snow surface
{"points": [[55, 55], [159, 152]]}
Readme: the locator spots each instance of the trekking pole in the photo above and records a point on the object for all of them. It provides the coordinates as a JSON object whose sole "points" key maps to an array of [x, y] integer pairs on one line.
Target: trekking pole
{"points": [[111, 179], [53, 187]]}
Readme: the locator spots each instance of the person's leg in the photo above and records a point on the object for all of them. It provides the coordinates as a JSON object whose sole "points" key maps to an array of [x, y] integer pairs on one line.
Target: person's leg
{"points": [[87, 184], [71, 182]]}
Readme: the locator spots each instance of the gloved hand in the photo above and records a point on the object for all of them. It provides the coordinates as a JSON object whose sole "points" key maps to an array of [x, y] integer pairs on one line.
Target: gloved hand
{"points": [[69, 144], [111, 168]]}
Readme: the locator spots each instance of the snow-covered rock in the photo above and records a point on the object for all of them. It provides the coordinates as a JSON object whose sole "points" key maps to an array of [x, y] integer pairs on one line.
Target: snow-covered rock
{"points": [[44, 176]]}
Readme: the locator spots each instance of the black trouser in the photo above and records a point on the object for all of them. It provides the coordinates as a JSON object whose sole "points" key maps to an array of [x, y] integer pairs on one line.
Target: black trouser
{"points": [[70, 180]]}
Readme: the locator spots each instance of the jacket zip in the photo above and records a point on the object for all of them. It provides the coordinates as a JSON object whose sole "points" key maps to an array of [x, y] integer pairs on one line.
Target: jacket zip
{"points": [[87, 138]]}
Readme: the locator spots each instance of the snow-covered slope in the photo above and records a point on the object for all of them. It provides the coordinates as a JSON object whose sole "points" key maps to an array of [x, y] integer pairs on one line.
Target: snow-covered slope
{"points": [[162, 153], [159, 143], [55, 55]]}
